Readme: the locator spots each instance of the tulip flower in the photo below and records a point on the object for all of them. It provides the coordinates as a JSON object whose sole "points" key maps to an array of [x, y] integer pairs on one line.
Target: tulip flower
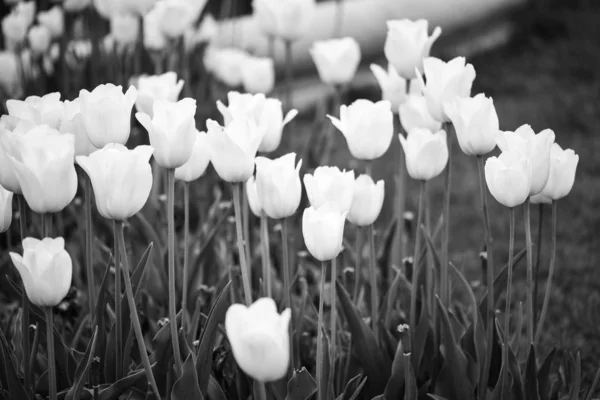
{"points": [[10, 81], [195, 167], [253, 199], [258, 75], [241, 106], [46, 270], [336, 59], [258, 332], [226, 65], [415, 114], [177, 16], [476, 123], [124, 28], [172, 131], [408, 44], [10, 129], [536, 148], [508, 178], [205, 33], [42, 159], [273, 121], [5, 209], [323, 230], [108, 8], [106, 113], [75, 5], [232, 148], [368, 127], [426, 153], [285, 19], [156, 87], [367, 201], [45, 110], [14, 30], [54, 20], [121, 179], [563, 164], [154, 38], [71, 122], [393, 86], [138, 7], [329, 184], [278, 184], [39, 39], [27, 9], [445, 82]]}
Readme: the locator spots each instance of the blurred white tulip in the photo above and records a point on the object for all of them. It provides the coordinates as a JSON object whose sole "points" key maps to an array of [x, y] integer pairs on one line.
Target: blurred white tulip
{"points": [[336, 59]]}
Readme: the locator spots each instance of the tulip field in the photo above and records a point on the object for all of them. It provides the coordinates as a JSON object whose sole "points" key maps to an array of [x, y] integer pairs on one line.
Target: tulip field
{"points": [[172, 227]]}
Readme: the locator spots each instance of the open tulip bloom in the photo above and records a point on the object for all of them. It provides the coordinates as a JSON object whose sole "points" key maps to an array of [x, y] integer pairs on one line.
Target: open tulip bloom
{"points": [[367, 201], [45, 110], [278, 185], [241, 106], [195, 167], [415, 114], [508, 178], [426, 153], [329, 184], [323, 230], [157, 87], [10, 129], [563, 164]]}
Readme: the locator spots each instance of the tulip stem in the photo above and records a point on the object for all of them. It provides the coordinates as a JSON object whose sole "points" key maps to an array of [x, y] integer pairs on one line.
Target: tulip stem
{"points": [[322, 389], [46, 225], [529, 285], [333, 318], [444, 291], [50, 344], [266, 255], [511, 249], [399, 250], [172, 294], [262, 390], [288, 73], [416, 261], [237, 206], [287, 282], [536, 272], [357, 271], [550, 273], [24, 301], [246, 222], [118, 310], [373, 282], [89, 261], [186, 244], [139, 337]]}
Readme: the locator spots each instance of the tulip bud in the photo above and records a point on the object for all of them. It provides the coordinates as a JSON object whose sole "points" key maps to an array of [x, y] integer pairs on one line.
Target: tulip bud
{"points": [[124, 28], [54, 20], [285, 19], [258, 332], [232, 148], [156, 87], [75, 5], [508, 178], [106, 113], [393, 86], [39, 39], [407, 44], [195, 167], [336, 59], [367, 201], [271, 119], [415, 114], [368, 127], [42, 159], [253, 198], [172, 131], [258, 75], [121, 179], [323, 231], [46, 110], [476, 123], [226, 64], [426, 153], [5, 209], [536, 148], [563, 164], [72, 123], [46, 270], [329, 184], [154, 38], [278, 185], [241, 107], [446, 81]]}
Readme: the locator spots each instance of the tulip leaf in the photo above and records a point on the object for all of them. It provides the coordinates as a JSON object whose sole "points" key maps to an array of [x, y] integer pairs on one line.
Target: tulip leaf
{"points": [[186, 387], [100, 316], [214, 390], [114, 391], [434, 397], [163, 351], [421, 332], [390, 296], [301, 386], [532, 391], [353, 388], [75, 391], [205, 347], [13, 383], [375, 365], [543, 375], [411, 391], [575, 379], [518, 390], [395, 385]]}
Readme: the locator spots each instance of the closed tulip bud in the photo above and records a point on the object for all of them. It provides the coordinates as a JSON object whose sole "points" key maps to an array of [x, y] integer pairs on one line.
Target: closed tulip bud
{"points": [[154, 38], [121, 179], [272, 120], [172, 131], [323, 230], [563, 164], [258, 75], [46, 270], [46, 110], [75, 5], [426, 153], [195, 167], [42, 159], [285, 19], [241, 106], [368, 127], [279, 186], [475, 122], [336, 59], [367, 201], [535, 148], [72, 122], [156, 87], [227, 65], [106, 113], [415, 114], [124, 28], [508, 178], [258, 332], [54, 20], [5, 209], [39, 39], [329, 184], [393, 86], [14, 30], [446, 81], [407, 44], [232, 148], [253, 199]]}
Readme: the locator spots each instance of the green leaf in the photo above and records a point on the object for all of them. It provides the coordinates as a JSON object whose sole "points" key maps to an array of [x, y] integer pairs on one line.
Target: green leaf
{"points": [[575, 379], [214, 390], [395, 385], [518, 389], [323, 385], [421, 332], [411, 391], [100, 316], [114, 391], [532, 391], [376, 366], [13, 384], [75, 391], [543, 376], [353, 388], [186, 387], [301, 386]]}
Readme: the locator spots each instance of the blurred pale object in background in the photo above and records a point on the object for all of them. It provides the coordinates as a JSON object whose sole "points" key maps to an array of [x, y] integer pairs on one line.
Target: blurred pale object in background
{"points": [[205, 33], [177, 16], [415, 114], [124, 28], [54, 20], [75, 5], [226, 64], [39, 39], [258, 74], [336, 59], [138, 7], [14, 30], [285, 19], [154, 39]]}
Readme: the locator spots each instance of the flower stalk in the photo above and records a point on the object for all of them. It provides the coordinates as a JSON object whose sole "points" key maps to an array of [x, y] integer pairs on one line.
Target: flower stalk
{"points": [[89, 260], [24, 301], [550, 273], [172, 294], [373, 271], [118, 309], [237, 206], [266, 255], [416, 262], [186, 245], [511, 249], [444, 290], [51, 358], [287, 282], [322, 392], [529, 284]]}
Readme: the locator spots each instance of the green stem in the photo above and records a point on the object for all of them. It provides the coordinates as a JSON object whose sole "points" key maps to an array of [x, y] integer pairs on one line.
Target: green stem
{"points": [[416, 262], [172, 294], [536, 272], [446, 212], [357, 271], [24, 302], [186, 245], [89, 260], [529, 284], [289, 72], [322, 391], [246, 222], [262, 390], [511, 249], [46, 225], [139, 337], [287, 282], [237, 206], [333, 320], [51, 359], [118, 310], [550, 273], [373, 282], [266, 255]]}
